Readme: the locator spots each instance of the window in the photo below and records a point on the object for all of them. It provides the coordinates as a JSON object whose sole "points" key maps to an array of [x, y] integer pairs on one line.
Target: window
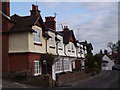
{"points": [[72, 48], [37, 36], [66, 64], [58, 66], [60, 44], [52, 43], [37, 70], [68, 47]]}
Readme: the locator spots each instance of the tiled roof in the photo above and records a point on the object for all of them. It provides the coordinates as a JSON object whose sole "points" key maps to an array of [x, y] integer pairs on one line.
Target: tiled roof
{"points": [[25, 23], [66, 36]]}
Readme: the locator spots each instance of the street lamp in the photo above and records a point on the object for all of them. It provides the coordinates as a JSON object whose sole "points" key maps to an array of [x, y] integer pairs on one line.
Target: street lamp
{"points": [[45, 63]]}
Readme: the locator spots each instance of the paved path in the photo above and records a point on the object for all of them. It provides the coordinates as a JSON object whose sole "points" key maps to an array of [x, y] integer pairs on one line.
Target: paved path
{"points": [[11, 84], [107, 79]]}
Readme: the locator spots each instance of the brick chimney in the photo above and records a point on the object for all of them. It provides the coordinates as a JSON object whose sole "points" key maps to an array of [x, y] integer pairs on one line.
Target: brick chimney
{"points": [[5, 36], [35, 10], [6, 8], [106, 52], [101, 53], [50, 22], [66, 28]]}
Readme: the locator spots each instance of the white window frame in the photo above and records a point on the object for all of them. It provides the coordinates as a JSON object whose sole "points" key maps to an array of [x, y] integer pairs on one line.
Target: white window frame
{"points": [[60, 45], [66, 64], [68, 47], [58, 66], [52, 41], [72, 48], [37, 68], [37, 36]]}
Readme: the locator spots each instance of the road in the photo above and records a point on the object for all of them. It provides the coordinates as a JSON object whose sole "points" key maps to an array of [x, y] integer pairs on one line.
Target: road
{"points": [[108, 79]]}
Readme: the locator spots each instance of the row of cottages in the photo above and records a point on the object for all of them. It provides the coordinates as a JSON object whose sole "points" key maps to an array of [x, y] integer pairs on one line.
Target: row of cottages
{"points": [[26, 38]]}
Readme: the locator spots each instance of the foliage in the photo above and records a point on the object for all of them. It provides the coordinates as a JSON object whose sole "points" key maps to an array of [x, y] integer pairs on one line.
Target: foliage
{"points": [[114, 47], [42, 80], [23, 77], [48, 57], [93, 62], [22, 74]]}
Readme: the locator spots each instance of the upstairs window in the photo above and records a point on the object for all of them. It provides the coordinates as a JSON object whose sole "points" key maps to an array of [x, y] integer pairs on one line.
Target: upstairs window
{"points": [[68, 47], [52, 43], [72, 48], [60, 44], [37, 36]]}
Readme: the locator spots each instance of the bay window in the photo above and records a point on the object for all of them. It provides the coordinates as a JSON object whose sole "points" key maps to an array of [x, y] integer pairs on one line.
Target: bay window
{"points": [[37, 36]]}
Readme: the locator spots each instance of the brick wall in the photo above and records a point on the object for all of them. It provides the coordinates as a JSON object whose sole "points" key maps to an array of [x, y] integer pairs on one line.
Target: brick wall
{"points": [[23, 61], [18, 62], [63, 79], [6, 25]]}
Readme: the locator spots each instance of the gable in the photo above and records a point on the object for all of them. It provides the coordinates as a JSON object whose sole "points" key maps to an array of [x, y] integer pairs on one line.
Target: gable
{"points": [[106, 58], [71, 38], [7, 24]]}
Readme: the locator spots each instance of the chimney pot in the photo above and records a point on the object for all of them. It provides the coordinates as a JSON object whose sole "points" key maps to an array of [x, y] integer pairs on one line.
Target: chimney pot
{"points": [[50, 22], [35, 10], [66, 28], [34, 7]]}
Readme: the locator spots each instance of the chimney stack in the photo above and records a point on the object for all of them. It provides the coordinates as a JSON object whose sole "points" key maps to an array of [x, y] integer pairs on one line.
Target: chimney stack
{"points": [[6, 8], [106, 52], [35, 10], [66, 28], [101, 53], [50, 22]]}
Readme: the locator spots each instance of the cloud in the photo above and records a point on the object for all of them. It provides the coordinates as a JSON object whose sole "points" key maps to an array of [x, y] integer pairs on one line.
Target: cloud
{"points": [[98, 26]]}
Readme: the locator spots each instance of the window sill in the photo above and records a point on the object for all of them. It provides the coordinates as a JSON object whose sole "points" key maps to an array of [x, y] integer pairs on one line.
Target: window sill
{"points": [[37, 74], [69, 50], [39, 44], [52, 47], [73, 51], [60, 49]]}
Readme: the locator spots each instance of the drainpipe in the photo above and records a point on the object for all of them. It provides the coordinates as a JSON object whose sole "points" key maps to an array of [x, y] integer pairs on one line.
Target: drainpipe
{"points": [[65, 50], [46, 45], [57, 48]]}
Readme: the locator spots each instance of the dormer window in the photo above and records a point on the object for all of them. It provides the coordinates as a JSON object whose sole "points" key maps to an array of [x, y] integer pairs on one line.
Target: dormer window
{"points": [[60, 44], [52, 42], [69, 50], [37, 36], [72, 48]]}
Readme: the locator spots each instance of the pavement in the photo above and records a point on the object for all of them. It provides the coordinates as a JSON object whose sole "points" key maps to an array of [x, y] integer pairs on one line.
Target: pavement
{"points": [[11, 84]]}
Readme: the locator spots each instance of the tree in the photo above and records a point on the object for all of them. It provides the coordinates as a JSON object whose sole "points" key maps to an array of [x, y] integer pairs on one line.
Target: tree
{"points": [[113, 47], [93, 62], [115, 50]]}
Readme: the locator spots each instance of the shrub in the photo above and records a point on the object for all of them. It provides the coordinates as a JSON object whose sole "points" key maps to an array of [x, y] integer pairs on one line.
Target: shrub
{"points": [[22, 74]]}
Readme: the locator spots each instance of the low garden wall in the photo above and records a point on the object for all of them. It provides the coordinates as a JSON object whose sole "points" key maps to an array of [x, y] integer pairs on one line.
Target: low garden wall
{"points": [[63, 79]]}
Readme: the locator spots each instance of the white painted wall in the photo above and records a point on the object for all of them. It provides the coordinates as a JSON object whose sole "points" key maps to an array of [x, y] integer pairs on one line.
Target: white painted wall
{"points": [[18, 42], [110, 63]]}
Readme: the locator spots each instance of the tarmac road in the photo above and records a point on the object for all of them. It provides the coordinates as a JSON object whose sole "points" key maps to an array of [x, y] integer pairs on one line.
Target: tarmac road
{"points": [[108, 79]]}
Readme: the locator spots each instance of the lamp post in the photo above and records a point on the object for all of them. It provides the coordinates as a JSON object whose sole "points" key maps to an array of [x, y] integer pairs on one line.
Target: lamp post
{"points": [[45, 63]]}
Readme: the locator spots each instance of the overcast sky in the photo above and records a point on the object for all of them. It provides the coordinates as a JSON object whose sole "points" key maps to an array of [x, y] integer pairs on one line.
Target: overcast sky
{"points": [[97, 21]]}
